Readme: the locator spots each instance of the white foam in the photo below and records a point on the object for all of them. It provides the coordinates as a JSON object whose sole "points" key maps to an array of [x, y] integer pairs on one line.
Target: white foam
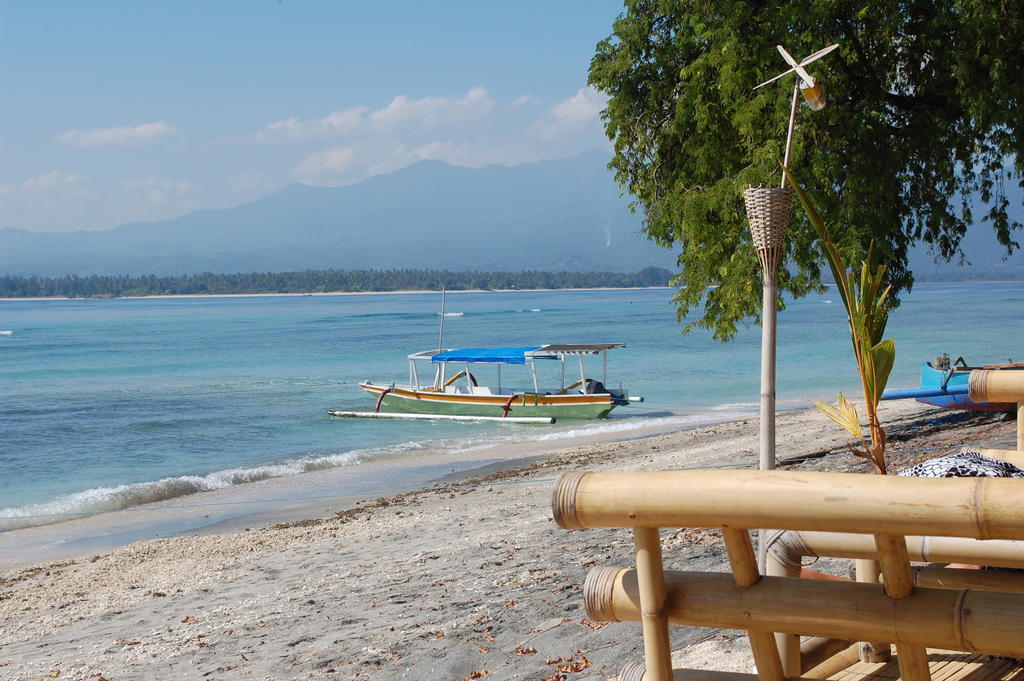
{"points": [[735, 406], [611, 427], [454, 314], [104, 499], [7, 332]]}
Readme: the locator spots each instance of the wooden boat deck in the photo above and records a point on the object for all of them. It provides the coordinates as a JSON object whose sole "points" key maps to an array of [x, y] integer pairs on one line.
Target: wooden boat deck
{"points": [[943, 665]]}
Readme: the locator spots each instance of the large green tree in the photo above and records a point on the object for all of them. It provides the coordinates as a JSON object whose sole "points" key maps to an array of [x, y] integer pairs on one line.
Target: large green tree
{"points": [[924, 117]]}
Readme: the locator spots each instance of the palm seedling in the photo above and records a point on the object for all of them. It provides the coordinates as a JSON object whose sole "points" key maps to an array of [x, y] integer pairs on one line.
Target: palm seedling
{"points": [[865, 297]]}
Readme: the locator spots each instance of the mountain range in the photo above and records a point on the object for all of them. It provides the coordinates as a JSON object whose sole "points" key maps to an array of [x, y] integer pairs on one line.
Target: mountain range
{"points": [[551, 215], [564, 215]]}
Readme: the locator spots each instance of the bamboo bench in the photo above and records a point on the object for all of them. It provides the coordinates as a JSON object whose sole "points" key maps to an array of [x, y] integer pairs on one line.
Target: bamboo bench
{"points": [[943, 624]]}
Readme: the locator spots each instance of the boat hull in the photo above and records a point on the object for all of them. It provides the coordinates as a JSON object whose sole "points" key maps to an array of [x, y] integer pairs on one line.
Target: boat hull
{"points": [[934, 378], [409, 400]]}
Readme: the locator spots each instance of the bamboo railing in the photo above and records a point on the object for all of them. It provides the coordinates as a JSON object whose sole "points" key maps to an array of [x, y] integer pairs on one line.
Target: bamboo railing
{"points": [[875, 514], [1001, 386]]}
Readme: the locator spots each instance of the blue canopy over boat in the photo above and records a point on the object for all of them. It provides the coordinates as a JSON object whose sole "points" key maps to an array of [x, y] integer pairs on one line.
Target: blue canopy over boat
{"points": [[487, 355]]}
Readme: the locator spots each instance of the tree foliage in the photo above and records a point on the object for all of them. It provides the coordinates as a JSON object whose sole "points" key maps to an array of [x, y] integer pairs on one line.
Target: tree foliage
{"points": [[317, 281], [924, 117]]}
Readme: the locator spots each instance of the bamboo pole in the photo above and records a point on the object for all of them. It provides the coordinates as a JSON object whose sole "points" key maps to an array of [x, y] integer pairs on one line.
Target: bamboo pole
{"points": [[953, 578], [790, 649], [899, 584], [819, 653], [745, 574], [973, 621], [997, 552], [769, 291], [985, 508], [868, 571], [894, 563], [1000, 386], [996, 386], [827, 668], [651, 583]]}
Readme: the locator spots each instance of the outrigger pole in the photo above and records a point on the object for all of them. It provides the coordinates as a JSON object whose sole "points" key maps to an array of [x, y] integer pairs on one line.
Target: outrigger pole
{"points": [[446, 417]]}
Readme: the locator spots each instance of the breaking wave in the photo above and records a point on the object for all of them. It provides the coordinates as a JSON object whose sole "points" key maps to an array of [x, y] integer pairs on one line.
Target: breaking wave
{"points": [[121, 497]]}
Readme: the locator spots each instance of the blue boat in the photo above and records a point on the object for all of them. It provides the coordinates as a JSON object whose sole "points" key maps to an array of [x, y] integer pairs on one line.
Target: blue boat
{"points": [[944, 384]]}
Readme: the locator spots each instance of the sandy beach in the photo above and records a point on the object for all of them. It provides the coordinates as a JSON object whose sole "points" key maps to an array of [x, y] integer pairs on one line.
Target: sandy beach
{"points": [[466, 581]]}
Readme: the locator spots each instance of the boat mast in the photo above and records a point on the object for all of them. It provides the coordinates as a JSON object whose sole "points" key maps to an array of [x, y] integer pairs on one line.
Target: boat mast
{"points": [[439, 378]]}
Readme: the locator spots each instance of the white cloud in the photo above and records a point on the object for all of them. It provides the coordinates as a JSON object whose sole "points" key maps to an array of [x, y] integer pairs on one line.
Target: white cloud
{"points": [[337, 123], [470, 130], [577, 114], [122, 136], [159, 191], [401, 114], [49, 200], [432, 112], [52, 184], [323, 166], [58, 180], [525, 100]]}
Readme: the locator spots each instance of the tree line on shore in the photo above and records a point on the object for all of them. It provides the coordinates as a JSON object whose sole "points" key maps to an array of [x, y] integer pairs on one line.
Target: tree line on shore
{"points": [[316, 281]]}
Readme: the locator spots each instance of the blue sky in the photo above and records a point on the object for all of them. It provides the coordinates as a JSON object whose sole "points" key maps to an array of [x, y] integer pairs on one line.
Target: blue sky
{"points": [[122, 111]]}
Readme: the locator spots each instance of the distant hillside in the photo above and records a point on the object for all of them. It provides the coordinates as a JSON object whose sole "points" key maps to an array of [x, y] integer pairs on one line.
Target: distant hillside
{"points": [[553, 215], [565, 215]]}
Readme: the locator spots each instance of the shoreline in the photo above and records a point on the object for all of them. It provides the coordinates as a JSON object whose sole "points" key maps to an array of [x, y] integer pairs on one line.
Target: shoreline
{"points": [[434, 291], [466, 580], [287, 497], [342, 293]]}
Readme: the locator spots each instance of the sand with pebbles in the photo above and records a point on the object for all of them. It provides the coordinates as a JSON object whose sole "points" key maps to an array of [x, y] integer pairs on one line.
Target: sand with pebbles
{"points": [[470, 581]]}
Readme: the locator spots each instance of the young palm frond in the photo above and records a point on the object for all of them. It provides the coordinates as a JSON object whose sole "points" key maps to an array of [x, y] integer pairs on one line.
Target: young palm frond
{"points": [[866, 301]]}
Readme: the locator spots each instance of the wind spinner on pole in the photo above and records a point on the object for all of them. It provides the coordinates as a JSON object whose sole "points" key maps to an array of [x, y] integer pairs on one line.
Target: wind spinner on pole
{"points": [[768, 211], [768, 208]]}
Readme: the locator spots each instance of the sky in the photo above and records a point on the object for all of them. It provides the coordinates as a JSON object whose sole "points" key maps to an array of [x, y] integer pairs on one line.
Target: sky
{"points": [[115, 111]]}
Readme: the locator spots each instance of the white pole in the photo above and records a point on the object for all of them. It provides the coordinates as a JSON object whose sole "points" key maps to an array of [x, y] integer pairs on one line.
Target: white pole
{"points": [[789, 132], [440, 333]]}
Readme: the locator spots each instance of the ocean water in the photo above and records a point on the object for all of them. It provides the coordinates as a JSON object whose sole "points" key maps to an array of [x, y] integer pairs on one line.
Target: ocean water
{"points": [[111, 404]]}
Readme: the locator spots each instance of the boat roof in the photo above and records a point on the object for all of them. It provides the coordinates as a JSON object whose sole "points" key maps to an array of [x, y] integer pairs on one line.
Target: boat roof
{"points": [[513, 355], [488, 355], [579, 348]]}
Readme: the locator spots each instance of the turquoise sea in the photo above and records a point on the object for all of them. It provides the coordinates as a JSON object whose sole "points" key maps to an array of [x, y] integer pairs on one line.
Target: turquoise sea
{"points": [[112, 404]]}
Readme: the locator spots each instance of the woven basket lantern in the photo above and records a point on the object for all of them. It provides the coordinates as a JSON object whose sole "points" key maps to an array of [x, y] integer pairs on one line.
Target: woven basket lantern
{"points": [[768, 211]]}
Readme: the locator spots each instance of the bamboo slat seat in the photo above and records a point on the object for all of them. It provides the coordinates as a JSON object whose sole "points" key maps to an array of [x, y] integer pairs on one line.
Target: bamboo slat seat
{"points": [[943, 627], [943, 665]]}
